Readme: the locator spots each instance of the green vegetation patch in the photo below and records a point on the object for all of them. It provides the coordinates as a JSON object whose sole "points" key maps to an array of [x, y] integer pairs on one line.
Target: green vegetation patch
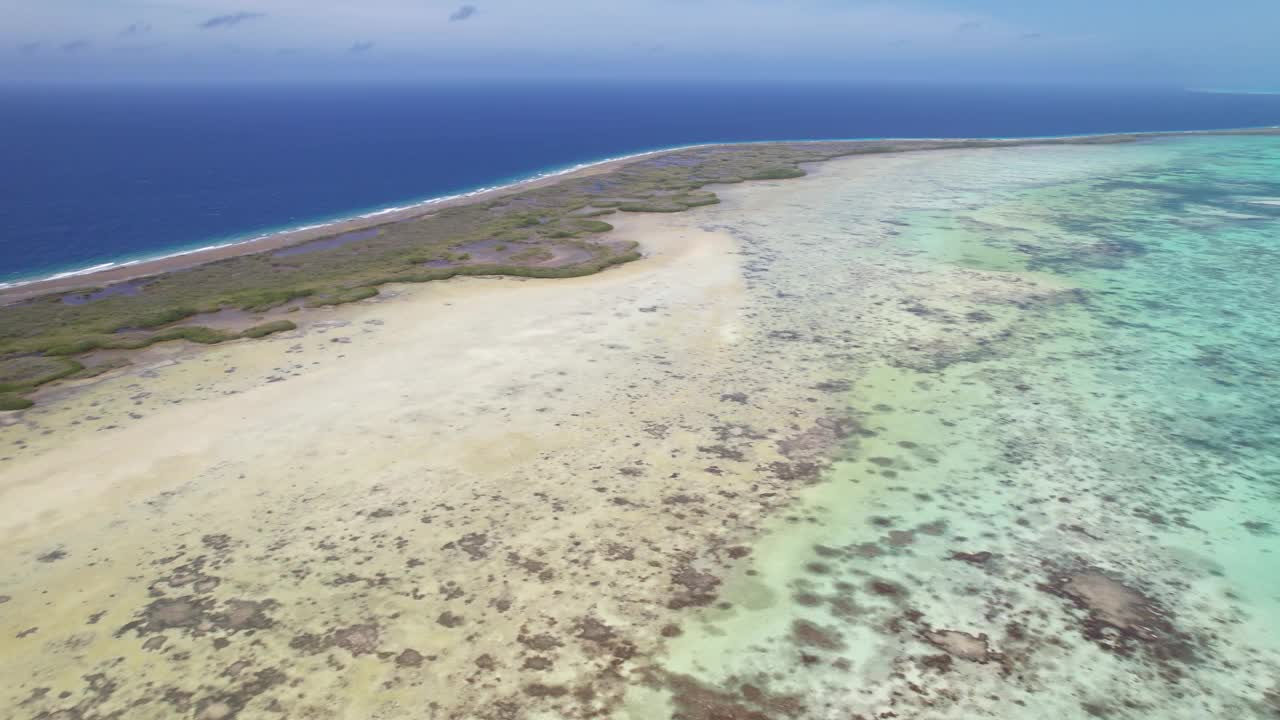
{"points": [[192, 333], [343, 296], [777, 173], [264, 299], [654, 206], [28, 371], [698, 199], [593, 212], [269, 328], [10, 401], [93, 371]]}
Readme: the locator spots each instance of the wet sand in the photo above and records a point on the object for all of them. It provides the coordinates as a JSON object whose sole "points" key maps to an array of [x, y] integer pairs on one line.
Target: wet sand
{"points": [[605, 496]]}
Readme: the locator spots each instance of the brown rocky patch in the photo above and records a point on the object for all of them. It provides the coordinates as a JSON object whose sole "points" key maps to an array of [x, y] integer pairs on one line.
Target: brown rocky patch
{"points": [[886, 588], [978, 559], [473, 544], [811, 635], [682, 499], [617, 551], [941, 662], [789, 472], [450, 620], [901, 538], [361, 639], [723, 452], [738, 700], [973, 648], [245, 615], [218, 542], [540, 690], [537, 662], [52, 556], [1121, 619], [694, 588], [187, 613], [410, 658], [593, 630], [818, 441], [541, 642], [357, 639]]}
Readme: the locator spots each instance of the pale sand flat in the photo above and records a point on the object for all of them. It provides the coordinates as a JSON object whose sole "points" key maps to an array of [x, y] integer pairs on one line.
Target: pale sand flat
{"points": [[434, 487]]}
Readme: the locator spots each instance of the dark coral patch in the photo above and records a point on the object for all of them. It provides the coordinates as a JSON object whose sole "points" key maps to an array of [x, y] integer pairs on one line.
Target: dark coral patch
{"points": [[886, 588], [166, 613], [979, 558], [693, 588], [410, 658], [1122, 619], [738, 700], [361, 639], [811, 635], [473, 544], [963, 645], [450, 620], [244, 615]]}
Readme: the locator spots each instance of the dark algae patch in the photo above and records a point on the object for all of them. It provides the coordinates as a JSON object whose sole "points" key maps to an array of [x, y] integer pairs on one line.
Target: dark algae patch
{"points": [[742, 701]]}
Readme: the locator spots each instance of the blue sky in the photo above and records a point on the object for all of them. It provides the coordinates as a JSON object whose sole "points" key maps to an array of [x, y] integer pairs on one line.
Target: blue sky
{"points": [[1230, 43]]}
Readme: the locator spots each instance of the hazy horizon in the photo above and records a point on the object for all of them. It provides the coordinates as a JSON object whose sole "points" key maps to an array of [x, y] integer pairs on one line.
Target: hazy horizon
{"points": [[1170, 44]]}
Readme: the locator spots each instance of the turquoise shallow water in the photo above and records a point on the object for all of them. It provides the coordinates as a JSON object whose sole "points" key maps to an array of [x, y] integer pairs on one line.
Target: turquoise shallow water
{"points": [[1063, 494]]}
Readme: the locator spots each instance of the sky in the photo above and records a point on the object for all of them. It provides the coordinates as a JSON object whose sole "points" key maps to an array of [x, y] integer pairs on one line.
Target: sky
{"points": [[1187, 43]]}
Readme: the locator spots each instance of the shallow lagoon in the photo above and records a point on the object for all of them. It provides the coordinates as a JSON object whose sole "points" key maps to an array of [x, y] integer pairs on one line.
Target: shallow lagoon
{"points": [[1076, 518]]}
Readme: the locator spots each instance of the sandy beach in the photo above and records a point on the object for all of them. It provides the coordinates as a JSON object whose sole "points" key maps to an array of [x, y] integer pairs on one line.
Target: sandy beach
{"points": [[592, 497]]}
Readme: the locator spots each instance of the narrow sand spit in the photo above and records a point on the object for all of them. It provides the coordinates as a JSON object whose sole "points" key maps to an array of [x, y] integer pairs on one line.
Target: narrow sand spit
{"points": [[495, 498]]}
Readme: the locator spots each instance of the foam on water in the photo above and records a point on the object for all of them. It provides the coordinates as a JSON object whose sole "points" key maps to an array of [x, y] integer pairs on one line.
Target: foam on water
{"points": [[1074, 517]]}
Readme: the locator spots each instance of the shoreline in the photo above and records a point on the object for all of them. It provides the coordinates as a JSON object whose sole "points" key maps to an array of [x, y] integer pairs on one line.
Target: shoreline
{"points": [[106, 274], [126, 270]]}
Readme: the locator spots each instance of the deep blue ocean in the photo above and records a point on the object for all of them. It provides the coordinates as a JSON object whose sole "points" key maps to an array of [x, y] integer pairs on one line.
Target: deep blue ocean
{"points": [[96, 175]]}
